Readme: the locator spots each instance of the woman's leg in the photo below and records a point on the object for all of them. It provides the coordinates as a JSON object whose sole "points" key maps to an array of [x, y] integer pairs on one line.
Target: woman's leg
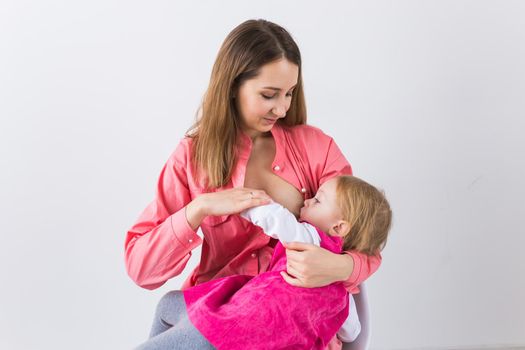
{"points": [[170, 309], [171, 327], [184, 336]]}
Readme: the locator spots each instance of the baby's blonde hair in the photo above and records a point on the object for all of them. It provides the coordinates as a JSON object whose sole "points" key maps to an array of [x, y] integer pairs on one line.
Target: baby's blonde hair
{"points": [[368, 213]]}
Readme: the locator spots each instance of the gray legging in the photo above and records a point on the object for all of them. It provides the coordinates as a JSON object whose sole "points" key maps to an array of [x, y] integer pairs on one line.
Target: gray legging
{"points": [[171, 327]]}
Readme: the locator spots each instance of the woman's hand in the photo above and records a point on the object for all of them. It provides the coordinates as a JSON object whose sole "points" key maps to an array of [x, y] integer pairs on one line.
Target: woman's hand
{"points": [[311, 266], [225, 202]]}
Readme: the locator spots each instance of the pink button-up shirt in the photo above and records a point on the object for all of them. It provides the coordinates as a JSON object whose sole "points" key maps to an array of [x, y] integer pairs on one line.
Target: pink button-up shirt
{"points": [[159, 244]]}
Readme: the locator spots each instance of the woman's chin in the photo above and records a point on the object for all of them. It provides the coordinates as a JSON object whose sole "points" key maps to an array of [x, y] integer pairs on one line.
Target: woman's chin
{"points": [[268, 122], [266, 128]]}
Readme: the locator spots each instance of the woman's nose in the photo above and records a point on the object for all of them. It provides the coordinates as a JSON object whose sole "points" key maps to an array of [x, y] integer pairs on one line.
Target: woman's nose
{"points": [[281, 107], [279, 111]]}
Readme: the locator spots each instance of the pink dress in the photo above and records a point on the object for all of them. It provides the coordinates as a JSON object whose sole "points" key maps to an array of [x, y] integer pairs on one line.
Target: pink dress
{"points": [[265, 312]]}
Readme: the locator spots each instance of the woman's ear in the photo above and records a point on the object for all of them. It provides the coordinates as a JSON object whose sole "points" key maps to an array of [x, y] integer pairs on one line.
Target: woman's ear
{"points": [[341, 228]]}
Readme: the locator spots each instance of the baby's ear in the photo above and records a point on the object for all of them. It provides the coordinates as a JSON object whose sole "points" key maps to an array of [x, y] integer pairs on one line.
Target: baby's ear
{"points": [[341, 228]]}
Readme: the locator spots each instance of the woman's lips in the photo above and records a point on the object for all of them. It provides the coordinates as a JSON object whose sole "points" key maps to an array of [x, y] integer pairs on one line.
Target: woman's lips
{"points": [[270, 120]]}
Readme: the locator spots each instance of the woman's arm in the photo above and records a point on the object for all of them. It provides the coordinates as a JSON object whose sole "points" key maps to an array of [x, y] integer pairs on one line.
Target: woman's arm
{"points": [[311, 266], [158, 245], [364, 267], [314, 266]]}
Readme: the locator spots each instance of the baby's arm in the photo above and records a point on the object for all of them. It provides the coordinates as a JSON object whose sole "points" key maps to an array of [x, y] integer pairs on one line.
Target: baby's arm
{"points": [[278, 222]]}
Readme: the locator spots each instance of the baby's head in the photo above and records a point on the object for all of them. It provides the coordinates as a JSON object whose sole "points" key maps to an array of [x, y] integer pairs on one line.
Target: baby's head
{"points": [[351, 208]]}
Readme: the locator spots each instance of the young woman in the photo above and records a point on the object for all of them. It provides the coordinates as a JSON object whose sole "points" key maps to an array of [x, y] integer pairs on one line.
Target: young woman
{"points": [[250, 144]]}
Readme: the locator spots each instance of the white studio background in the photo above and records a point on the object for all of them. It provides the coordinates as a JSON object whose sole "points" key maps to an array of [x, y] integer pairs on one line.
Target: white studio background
{"points": [[425, 98]]}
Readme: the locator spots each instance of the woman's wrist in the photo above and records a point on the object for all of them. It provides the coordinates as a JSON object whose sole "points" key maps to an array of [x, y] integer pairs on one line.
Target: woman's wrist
{"points": [[196, 212], [347, 266]]}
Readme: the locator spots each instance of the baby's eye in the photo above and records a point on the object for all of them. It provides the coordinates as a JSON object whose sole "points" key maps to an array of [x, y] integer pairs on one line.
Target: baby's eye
{"points": [[317, 200]]}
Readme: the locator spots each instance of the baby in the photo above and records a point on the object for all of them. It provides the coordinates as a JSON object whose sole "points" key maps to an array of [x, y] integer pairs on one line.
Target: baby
{"points": [[264, 311]]}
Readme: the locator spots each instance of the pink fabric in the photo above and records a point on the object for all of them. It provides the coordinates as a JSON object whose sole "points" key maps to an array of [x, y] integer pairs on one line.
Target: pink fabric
{"points": [[159, 244], [265, 312]]}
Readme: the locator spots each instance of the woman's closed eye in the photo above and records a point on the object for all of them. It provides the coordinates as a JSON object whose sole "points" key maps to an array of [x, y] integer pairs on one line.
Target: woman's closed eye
{"points": [[270, 97]]}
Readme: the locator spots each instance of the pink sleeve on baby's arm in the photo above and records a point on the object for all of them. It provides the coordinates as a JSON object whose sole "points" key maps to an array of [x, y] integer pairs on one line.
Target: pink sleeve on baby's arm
{"points": [[364, 267]]}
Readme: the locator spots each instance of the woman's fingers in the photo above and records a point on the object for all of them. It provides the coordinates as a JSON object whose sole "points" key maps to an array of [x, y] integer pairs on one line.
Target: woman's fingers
{"points": [[297, 246], [296, 281], [250, 195], [255, 194], [260, 201], [290, 280], [253, 198], [296, 257], [233, 200], [297, 266], [292, 271], [314, 264], [297, 254]]}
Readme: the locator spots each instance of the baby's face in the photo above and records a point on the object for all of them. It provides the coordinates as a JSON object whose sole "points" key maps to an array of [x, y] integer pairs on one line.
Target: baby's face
{"points": [[322, 210]]}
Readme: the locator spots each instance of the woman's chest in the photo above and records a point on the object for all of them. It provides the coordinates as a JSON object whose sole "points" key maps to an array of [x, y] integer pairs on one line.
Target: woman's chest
{"points": [[261, 175]]}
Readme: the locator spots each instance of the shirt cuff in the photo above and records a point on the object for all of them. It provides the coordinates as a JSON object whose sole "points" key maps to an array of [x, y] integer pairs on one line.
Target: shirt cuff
{"points": [[183, 232], [356, 272]]}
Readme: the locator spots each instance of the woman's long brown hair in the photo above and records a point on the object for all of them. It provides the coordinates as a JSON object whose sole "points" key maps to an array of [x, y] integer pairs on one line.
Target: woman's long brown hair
{"points": [[245, 50]]}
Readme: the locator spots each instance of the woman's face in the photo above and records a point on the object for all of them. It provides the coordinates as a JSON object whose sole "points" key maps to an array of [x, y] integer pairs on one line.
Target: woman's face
{"points": [[262, 100]]}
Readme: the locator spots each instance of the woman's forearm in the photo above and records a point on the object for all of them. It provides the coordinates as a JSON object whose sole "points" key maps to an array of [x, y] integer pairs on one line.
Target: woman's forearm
{"points": [[346, 267]]}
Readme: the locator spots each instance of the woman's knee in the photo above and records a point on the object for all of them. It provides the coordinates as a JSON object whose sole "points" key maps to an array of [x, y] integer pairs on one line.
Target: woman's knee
{"points": [[171, 303]]}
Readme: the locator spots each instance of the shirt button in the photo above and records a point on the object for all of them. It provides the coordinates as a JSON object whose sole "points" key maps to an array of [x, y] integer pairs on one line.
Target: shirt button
{"points": [[190, 240], [303, 190], [276, 168], [254, 255]]}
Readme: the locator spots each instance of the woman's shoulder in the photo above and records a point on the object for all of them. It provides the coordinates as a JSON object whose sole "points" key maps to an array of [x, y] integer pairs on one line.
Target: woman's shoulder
{"points": [[315, 143], [308, 132], [182, 151]]}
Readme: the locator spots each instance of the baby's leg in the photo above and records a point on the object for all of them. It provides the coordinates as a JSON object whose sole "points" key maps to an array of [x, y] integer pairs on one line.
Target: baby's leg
{"points": [[351, 327], [363, 340]]}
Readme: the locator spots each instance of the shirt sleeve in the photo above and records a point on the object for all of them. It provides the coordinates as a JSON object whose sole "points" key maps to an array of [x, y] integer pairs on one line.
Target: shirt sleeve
{"points": [[335, 163], [158, 246], [278, 222], [364, 267]]}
